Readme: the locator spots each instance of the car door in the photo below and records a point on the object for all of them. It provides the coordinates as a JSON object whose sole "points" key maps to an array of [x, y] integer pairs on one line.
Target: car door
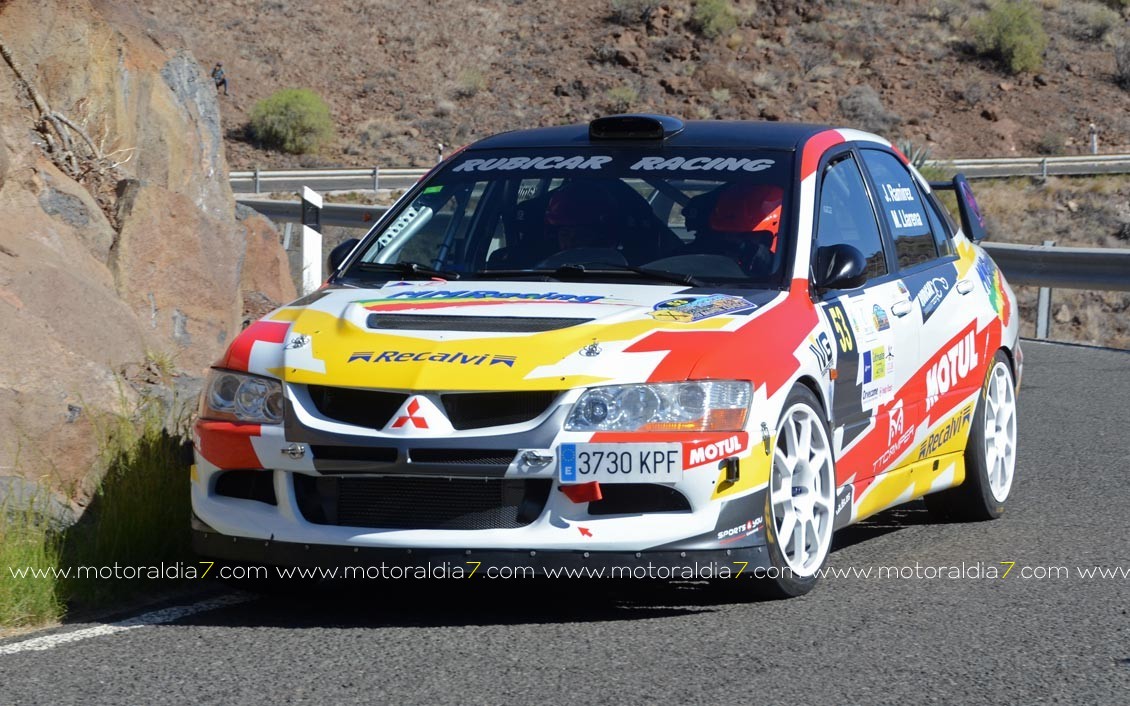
{"points": [[928, 265], [874, 329]]}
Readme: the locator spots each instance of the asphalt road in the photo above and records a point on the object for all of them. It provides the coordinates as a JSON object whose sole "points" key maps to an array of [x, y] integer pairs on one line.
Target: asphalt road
{"points": [[853, 640]]}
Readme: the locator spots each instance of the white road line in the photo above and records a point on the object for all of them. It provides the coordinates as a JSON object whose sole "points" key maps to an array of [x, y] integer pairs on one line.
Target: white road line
{"points": [[156, 617]]}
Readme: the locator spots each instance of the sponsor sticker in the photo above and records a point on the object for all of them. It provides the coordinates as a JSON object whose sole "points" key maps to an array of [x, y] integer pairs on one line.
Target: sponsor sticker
{"points": [[944, 433], [955, 364], [700, 452], [457, 358], [821, 349], [879, 314], [743, 530], [877, 365], [556, 162], [703, 164], [990, 277], [478, 296], [690, 309], [932, 294]]}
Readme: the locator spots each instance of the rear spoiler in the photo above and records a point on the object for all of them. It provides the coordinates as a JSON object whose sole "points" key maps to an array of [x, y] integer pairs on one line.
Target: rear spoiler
{"points": [[972, 222]]}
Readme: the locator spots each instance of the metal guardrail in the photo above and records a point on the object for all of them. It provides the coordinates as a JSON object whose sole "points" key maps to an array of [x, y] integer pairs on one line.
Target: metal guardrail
{"points": [[1079, 165], [373, 178], [1039, 265], [333, 214], [1063, 268], [370, 179]]}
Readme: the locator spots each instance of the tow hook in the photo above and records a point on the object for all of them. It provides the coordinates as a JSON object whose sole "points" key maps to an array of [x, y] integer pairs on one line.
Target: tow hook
{"points": [[535, 458]]}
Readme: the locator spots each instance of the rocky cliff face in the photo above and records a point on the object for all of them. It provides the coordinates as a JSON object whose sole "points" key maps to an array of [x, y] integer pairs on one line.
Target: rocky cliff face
{"points": [[122, 248]]}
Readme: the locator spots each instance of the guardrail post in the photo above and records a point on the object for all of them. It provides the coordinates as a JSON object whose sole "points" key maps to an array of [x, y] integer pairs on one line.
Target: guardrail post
{"points": [[257, 179], [287, 228], [376, 178], [311, 240], [1044, 169], [1044, 306]]}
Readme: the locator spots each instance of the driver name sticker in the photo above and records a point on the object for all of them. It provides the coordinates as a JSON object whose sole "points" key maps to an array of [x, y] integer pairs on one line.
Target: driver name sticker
{"points": [[690, 309]]}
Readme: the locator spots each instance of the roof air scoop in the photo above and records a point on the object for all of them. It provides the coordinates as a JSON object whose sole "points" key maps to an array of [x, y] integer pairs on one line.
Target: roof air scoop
{"points": [[634, 127]]}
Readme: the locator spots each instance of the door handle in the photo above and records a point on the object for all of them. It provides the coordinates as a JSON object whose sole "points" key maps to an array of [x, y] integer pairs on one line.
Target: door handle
{"points": [[965, 286], [901, 308]]}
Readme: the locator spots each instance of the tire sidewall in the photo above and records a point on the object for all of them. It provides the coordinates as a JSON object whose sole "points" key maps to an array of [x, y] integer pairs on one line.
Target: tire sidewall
{"points": [[976, 464], [783, 580]]}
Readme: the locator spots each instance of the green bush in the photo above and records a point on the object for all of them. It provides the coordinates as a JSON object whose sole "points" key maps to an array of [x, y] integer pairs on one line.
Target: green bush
{"points": [[1013, 32], [713, 18], [294, 120], [1091, 21], [621, 98]]}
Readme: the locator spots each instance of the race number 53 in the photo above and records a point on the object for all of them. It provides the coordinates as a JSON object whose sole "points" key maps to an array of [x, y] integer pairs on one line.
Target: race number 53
{"points": [[841, 327]]}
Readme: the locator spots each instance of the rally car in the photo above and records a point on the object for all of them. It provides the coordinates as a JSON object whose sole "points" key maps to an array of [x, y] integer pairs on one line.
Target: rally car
{"points": [[639, 343]]}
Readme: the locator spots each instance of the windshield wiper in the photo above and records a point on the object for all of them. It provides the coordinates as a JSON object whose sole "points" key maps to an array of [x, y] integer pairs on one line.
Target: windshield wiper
{"points": [[605, 268], [406, 269]]}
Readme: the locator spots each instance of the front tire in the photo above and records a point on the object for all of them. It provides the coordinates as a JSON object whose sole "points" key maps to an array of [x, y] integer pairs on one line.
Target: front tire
{"points": [[990, 453], [800, 502]]}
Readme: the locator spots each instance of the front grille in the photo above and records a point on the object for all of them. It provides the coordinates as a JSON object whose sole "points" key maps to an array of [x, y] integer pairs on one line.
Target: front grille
{"points": [[421, 503], [475, 410], [474, 457], [370, 454], [362, 408], [498, 324], [638, 499]]}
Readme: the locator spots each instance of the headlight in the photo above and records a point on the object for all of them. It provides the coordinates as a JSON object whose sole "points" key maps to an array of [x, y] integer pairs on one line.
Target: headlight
{"points": [[683, 406], [241, 398]]}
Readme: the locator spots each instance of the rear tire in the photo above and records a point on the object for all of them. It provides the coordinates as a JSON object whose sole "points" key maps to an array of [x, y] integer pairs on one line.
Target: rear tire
{"points": [[990, 453]]}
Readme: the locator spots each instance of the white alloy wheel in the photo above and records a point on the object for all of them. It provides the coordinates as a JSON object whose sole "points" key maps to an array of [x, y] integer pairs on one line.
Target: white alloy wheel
{"points": [[802, 490], [1000, 431]]}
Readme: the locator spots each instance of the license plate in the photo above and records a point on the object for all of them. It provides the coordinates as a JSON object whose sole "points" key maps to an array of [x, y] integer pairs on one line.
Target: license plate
{"points": [[620, 463]]}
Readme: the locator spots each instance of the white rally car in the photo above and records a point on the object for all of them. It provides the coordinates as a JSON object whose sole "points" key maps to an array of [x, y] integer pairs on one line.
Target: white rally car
{"points": [[634, 343]]}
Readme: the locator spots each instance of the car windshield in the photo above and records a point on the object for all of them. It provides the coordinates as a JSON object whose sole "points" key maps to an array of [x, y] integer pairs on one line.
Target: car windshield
{"points": [[698, 216]]}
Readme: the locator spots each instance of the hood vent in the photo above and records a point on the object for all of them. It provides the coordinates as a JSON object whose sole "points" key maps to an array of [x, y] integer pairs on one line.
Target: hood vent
{"points": [[498, 324]]}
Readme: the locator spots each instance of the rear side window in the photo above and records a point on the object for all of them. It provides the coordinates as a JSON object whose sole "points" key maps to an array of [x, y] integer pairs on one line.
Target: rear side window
{"points": [[846, 216], [902, 208]]}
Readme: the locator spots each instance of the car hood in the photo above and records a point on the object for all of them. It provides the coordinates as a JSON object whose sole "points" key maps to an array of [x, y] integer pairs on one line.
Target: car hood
{"points": [[433, 336]]}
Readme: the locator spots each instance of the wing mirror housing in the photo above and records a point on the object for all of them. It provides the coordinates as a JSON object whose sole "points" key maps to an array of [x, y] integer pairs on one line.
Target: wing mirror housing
{"points": [[839, 266], [340, 252]]}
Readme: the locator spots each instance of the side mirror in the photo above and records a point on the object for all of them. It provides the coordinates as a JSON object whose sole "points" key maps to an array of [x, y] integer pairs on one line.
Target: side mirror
{"points": [[839, 266], [339, 253]]}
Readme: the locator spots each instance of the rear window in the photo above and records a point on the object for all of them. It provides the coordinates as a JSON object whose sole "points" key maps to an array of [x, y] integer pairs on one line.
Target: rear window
{"points": [[721, 215]]}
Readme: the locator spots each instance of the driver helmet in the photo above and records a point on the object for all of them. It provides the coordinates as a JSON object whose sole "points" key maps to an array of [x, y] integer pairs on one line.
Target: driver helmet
{"points": [[748, 208]]}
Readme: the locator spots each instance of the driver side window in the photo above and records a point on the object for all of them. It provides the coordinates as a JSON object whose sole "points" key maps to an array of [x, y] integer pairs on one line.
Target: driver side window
{"points": [[844, 215]]}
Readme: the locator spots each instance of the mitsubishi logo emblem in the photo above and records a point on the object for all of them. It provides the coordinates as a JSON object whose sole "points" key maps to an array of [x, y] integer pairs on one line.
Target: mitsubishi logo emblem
{"points": [[412, 418]]}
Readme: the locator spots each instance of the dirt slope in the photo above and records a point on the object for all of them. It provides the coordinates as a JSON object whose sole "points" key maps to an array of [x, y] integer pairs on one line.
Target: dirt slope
{"points": [[401, 78]]}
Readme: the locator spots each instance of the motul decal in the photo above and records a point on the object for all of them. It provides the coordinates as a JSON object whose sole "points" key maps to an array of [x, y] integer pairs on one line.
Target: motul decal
{"points": [[956, 364], [699, 452]]}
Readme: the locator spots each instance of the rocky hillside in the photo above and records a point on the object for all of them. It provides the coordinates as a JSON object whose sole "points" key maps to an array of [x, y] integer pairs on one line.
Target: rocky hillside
{"points": [[123, 268], [401, 78]]}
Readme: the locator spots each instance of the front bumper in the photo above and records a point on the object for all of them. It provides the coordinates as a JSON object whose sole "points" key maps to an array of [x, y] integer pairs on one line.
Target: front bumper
{"points": [[374, 562]]}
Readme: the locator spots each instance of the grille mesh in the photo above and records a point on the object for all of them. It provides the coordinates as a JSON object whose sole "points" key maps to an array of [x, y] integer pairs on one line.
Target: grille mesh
{"points": [[363, 408], [422, 503], [475, 410]]}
